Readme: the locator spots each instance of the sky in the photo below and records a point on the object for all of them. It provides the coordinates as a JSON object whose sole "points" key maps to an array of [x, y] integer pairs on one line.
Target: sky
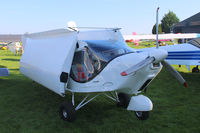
{"points": [[21, 16]]}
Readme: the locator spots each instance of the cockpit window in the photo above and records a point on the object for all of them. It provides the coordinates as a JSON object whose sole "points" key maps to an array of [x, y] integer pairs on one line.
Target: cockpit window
{"points": [[108, 50], [90, 61]]}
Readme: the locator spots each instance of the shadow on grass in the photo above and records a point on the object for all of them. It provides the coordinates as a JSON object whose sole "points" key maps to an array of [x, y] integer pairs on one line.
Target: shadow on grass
{"points": [[11, 59], [2, 66], [14, 69]]}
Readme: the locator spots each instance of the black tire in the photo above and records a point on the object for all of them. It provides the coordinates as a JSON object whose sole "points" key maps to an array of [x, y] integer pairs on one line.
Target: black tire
{"points": [[124, 100], [195, 70], [67, 112], [142, 115]]}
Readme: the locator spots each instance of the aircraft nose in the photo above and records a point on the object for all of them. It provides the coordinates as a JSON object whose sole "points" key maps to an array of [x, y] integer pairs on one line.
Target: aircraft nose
{"points": [[158, 54]]}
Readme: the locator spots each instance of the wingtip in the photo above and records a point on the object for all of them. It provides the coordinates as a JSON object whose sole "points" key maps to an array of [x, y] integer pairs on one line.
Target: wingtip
{"points": [[185, 84]]}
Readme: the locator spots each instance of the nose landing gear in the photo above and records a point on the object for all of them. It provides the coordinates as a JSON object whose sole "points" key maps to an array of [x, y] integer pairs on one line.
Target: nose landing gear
{"points": [[124, 100], [142, 115]]}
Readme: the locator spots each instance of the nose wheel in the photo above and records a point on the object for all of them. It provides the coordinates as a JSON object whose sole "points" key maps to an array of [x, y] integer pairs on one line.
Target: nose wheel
{"points": [[142, 115]]}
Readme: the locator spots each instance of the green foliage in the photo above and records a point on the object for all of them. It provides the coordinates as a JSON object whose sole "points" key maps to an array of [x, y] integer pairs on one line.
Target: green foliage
{"points": [[28, 107], [146, 44], [168, 20], [159, 29]]}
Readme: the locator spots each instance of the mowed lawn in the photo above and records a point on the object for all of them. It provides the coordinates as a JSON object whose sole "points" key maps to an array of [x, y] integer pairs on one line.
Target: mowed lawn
{"points": [[27, 107]]}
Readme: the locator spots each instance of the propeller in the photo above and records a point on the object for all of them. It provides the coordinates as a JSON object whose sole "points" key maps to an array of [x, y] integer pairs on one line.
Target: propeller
{"points": [[157, 55], [176, 74]]}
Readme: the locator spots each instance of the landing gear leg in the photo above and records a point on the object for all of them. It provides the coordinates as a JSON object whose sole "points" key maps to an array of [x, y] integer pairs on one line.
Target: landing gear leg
{"points": [[68, 109], [124, 100]]}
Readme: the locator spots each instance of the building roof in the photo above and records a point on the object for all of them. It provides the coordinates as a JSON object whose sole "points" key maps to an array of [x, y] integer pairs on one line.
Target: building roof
{"points": [[10, 37], [191, 21]]}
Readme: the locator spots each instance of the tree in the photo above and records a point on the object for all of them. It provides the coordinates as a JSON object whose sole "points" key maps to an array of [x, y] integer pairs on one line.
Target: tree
{"points": [[168, 20], [159, 29]]}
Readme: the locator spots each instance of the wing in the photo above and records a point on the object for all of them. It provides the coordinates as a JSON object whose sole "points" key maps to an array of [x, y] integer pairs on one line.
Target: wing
{"points": [[47, 58], [182, 54], [161, 36]]}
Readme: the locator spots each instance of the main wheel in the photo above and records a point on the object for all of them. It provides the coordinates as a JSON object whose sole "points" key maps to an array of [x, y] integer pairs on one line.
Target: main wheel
{"points": [[195, 70], [142, 115], [67, 112], [124, 100]]}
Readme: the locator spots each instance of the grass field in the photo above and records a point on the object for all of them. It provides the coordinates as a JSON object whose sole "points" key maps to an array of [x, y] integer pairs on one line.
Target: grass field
{"points": [[27, 107], [145, 44]]}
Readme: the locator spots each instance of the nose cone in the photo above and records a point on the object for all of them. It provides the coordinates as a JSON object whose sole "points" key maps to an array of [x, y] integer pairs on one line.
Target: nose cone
{"points": [[158, 54]]}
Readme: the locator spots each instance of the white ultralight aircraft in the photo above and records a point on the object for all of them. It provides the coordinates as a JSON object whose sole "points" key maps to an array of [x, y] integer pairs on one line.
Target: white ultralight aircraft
{"points": [[92, 62], [96, 61]]}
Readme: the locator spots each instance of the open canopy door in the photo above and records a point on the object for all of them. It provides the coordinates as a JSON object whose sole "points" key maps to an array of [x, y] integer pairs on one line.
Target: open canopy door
{"points": [[48, 57]]}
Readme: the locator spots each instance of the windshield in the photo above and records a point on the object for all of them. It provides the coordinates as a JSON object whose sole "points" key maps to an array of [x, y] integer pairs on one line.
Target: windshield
{"points": [[108, 50], [90, 61]]}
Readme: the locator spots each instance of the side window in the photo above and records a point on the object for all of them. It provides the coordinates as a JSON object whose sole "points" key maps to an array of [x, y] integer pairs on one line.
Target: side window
{"points": [[85, 65], [88, 62], [96, 63], [77, 70]]}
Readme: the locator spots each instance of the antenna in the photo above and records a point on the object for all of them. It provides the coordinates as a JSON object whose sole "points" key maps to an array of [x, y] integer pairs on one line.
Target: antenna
{"points": [[157, 27]]}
